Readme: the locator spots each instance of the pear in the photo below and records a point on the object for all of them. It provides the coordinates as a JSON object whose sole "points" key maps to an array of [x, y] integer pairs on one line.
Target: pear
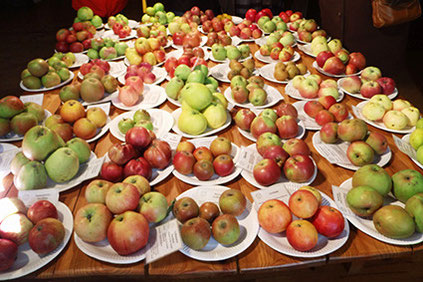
{"points": [[249, 64], [62, 165], [215, 115], [191, 121], [31, 176]]}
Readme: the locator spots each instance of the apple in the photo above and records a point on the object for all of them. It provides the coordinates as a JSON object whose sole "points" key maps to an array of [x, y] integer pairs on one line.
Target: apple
{"points": [[96, 191], [203, 169], [308, 88], [360, 153], [314, 191], [41, 209], [400, 104], [298, 168], [185, 146], [334, 65], [138, 166], [8, 254], [274, 216], [416, 138], [140, 182], [407, 183], [266, 172], [203, 153], [370, 88], [378, 142], [371, 73], [184, 162], [358, 60], [364, 200], [128, 233], [323, 117], [296, 146], [46, 235], [139, 137], [322, 57], [395, 120], [223, 165], [111, 172], [326, 101], [302, 235], [153, 205], [262, 124], [233, 202], [414, 207], [328, 132], [339, 111], [91, 222], [352, 130], [158, 154], [122, 197], [209, 211], [303, 204], [351, 84], [387, 85], [195, 233], [244, 118], [285, 109], [122, 153], [225, 229], [413, 115], [221, 145], [276, 153], [312, 108], [373, 111], [373, 176], [185, 208], [16, 227], [11, 205], [328, 221], [287, 127]]}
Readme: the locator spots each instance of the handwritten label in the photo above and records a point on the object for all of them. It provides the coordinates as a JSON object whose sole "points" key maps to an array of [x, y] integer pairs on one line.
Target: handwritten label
{"points": [[172, 139], [276, 192], [334, 153], [340, 197], [35, 98], [405, 147], [31, 196], [164, 240], [105, 107], [93, 169], [248, 158]]}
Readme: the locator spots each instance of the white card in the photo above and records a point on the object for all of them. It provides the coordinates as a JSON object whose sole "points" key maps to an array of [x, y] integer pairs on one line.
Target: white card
{"points": [[105, 107], [356, 111], [172, 139], [405, 147], [276, 192], [247, 159], [31, 196], [150, 98], [335, 154], [164, 240], [340, 197], [35, 98], [230, 106], [6, 158], [117, 68]]}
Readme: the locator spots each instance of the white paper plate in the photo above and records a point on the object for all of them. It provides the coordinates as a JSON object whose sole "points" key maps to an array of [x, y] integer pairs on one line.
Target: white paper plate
{"points": [[237, 20], [12, 136], [358, 110], [152, 97], [110, 34], [80, 59], [116, 69], [162, 123], [202, 43], [268, 60], [380, 160], [306, 49], [176, 113], [215, 179], [28, 261], [279, 241], [319, 69], [42, 89], [267, 72], [6, 148], [226, 61], [214, 251], [294, 93], [406, 138], [366, 225], [359, 96], [282, 180], [220, 72], [249, 136], [309, 122], [273, 97]]}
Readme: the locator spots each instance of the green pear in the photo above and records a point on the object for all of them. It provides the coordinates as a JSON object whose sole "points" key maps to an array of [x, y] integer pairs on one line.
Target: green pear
{"points": [[215, 115], [18, 162], [39, 142], [173, 87], [192, 122], [36, 110], [414, 207], [232, 52], [31, 176], [62, 165], [394, 222], [197, 95], [373, 176], [81, 148], [245, 50]]}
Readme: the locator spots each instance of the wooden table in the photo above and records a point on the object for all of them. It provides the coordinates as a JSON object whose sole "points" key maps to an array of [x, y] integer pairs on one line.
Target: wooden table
{"points": [[258, 259]]}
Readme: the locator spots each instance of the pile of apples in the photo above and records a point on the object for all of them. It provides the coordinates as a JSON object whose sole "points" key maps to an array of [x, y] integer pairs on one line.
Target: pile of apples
{"points": [[191, 39], [146, 50], [245, 30], [275, 216], [363, 147], [254, 16], [45, 155], [73, 119], [369, 83], [371, 184], [40, 74], [200, 223], [68, 58], [140, 118], [290, 16], [38, 225], [130, 94], [220, 37], [141, 153], [416, 140], [105, 48], [115, 208], [251, 90], [191, 58], [278, 40], [17, 117], [269, 25], [119, 25], [283, 119], [157, 14], [204, 162], [397, 115], [302, 25], [244, 69], [288, 71], [143, 71], [155, 31], [334, 59], [325, 110], [221, 52], [85, 15], [313, 86]]}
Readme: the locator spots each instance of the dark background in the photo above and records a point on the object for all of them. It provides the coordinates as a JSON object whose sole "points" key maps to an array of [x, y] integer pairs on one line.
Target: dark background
{"points": [[28, 31]]}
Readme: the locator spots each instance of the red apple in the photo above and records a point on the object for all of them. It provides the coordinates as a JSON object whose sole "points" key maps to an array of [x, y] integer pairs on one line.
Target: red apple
{"points": [[298, 168], [322, 57], [122, 153], [122, 197], [328, 221], [326, 101], [184, 162], [358, 60], [41, 209], [370, 88], [328, 132], [276, 153], [312, 108], [267, 172], [138, 136], [203, 153], [209, 211], [303, 204], [138, 166], [203, 169], [223, 165], [387, 84], [158, 154], [185, 208], [111, 172], [296, 146], [285, 109], [274, 216], [8, 254], [287, 127], [46, 236], [244, 118], [334, 65], [324, 117], [302, 235], [339, 111]]}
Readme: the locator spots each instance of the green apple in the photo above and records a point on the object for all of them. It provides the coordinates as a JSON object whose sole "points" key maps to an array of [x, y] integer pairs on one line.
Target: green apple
{"points": [[225, 229], [153, 205], [245, 50], [383, 100], [419, 123], [270, 113], [36, 110], [262, 21], [269, 26], [394, 222], [238, 80], [196, 76], [62, 165], [192, 122], [121, 48], [144, 123], [170, 16], [218, 52], [182, 72], [81, 148], [364, 200], [407, 183], [141, 114], [92, 54], [211, 80], [416, 138], [287, 39], [419, 154], [215, 115], [414, 207], [204, 69], [31, 176], [96, 21], [373, 176], [18, 161], [257, 97], [125, 124], [173, 87], [39, 142], [232, 52], [196, 95]]}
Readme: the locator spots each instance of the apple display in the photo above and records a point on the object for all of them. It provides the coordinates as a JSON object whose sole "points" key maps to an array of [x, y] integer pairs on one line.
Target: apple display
{"points": [[302, 235], [225, 229], [274, 216], [328, 221], [195, 233]]}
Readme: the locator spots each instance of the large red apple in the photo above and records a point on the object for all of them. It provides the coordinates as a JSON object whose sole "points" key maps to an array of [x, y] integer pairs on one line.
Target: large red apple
{"points": [[122, 197], [296, 146], [322, 57], [303, 203], [158, 154], [138, 136], [276, 153], [184, 162], [138, 166], [358, 60], [287, 127], [8, 253], [266, 172], [302, 235], [111, 172], [41, 209], [286, 109], [328, 221], [46, 236], [298, 168], [274, 216], [122, 153], [223, 165]]}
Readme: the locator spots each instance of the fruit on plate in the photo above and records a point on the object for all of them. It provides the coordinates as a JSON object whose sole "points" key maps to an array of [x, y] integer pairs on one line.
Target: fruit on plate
{"points": [[266, 172], [91, 222], [62, 165], [31, 176], [46, 235], [39, 74], [352, 130], [39, 142], [158, 154], [96, 191], [41, 209], [299, 168], [276, 153], [11, 205], [209, 211], [302, 235], [373, 176], [233, 202], [407, 183], [153, 205], [111, 172], [274, 216], [16, 227], [128, 232], [364, 200], [393, 222], [184, 162], [328, 221], [195, 233], [122, 197], [244, 118], [225, 229], [184, 209], [360, 153], [8, 254], [288, 71], [414, 207], [303, 203]]}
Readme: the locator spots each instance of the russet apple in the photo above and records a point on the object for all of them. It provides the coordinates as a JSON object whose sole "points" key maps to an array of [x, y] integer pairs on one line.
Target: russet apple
{"points": [[209, 211], [225, 229], [185, 208]]}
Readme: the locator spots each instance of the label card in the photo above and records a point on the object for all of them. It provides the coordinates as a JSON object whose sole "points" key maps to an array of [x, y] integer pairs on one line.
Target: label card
{"points": [[31, 196], [276, 192], [117, 68], [247, 159], [230, 106], [35, 98], [334, 153], [356, 111], [6, 158], [150, 98], [405, 147], [340, 197], [105, 107], [172, 139], [164, 240]]}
